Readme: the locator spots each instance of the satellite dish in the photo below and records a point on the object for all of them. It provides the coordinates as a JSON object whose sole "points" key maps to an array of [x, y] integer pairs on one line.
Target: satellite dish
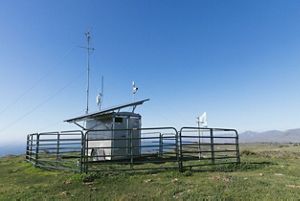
{"points": [[203, 120]]}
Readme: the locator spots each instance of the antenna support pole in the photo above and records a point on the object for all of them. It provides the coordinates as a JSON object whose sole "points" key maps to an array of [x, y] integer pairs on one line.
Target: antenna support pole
{"points": [[89, 49], [102, 92], [199, 137]]}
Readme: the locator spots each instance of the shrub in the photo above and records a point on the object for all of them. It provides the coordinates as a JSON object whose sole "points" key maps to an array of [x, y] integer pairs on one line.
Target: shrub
{"points": [[248, 153], [187, 173]]}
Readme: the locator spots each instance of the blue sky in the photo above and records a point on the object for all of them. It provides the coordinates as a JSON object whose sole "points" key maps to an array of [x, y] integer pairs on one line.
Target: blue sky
{"points": [[237, 60]]}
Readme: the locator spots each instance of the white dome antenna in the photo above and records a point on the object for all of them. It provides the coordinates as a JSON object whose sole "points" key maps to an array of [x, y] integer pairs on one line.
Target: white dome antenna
{"points": [[134, 90], [99, 97], [99, 100]]}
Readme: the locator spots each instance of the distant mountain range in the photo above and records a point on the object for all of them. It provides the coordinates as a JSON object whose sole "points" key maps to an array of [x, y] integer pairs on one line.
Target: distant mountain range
{"points": [[292, 135]]}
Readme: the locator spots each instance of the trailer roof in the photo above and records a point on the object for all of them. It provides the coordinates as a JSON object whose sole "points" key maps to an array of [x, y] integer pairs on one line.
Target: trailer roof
{"points": [[105, 111]]}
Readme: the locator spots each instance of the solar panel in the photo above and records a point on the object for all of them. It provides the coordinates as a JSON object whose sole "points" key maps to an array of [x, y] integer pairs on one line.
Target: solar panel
{"points": [[104, 111]]}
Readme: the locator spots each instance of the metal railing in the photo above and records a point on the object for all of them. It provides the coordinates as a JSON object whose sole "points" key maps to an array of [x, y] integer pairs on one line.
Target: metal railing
{"points": [[133, 149]]}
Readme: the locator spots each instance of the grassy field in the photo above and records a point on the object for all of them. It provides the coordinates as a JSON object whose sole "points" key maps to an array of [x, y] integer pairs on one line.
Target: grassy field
{"points": [[267, 172]]}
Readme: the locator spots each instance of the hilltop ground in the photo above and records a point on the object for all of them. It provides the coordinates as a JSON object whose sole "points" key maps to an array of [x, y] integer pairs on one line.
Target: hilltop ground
{"points": [[267, 172]]}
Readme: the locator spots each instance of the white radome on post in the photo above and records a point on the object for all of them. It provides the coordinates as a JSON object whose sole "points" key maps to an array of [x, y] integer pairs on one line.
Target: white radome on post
{"points": [[99, 97], [134, 90]]}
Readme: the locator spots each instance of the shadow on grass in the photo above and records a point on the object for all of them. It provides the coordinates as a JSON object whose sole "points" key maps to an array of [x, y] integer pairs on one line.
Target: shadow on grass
{"points": [[96, 171], [243, 166]]}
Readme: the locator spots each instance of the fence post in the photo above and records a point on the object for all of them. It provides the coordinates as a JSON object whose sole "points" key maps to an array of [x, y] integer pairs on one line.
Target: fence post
{"points": [[30, 149], [180, 163], [81, 152], [131, 150], [57, 146], [37, 149], [87, 152], [160, 145], [27, 148], [212, 146], [237, 147], [176, 148], [199, 143]]}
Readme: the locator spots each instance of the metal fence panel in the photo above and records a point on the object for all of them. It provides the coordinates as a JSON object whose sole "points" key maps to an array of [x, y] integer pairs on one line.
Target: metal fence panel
{"points": [[55, 150], [208, 146], [133, 149]]}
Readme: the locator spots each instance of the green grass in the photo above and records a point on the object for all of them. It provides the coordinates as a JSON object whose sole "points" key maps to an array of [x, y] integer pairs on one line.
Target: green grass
{"points": [[267, 172]]}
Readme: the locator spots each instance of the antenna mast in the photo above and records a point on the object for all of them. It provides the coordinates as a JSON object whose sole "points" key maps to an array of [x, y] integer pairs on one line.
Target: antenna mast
{"points": [[89, 50], [102, 92]]}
